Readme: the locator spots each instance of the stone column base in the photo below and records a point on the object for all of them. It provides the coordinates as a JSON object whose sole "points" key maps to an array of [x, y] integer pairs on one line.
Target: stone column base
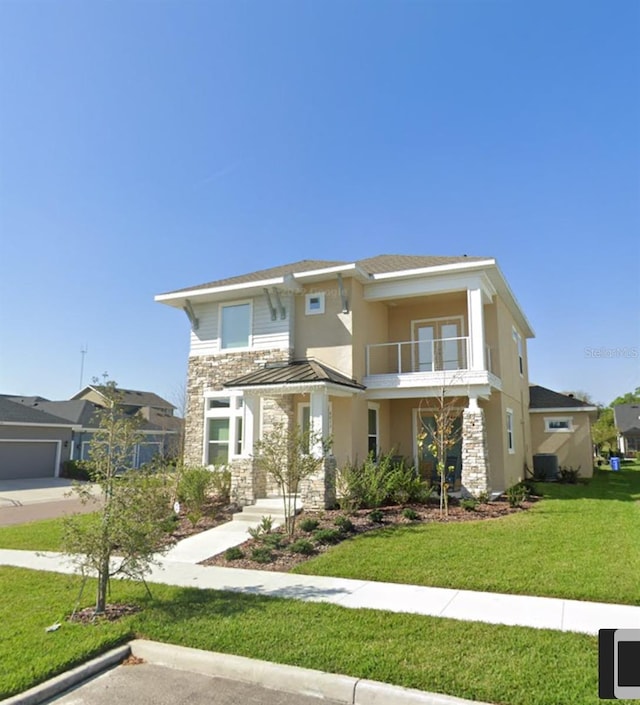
{"points": [[475, 454], [318, 491]]}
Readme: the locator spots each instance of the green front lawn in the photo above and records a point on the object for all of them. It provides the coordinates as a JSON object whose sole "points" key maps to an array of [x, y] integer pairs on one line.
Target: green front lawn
{"points": [[514, 665], [45, 535], [579, 542]]}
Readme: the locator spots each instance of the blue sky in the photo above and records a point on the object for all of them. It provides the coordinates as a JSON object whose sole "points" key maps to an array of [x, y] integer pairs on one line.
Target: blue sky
{"points": [[148, 146]]}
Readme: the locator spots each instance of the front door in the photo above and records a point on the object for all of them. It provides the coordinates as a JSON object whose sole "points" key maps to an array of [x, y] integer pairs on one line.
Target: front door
{"points": [[439, 345], [427, 461]]}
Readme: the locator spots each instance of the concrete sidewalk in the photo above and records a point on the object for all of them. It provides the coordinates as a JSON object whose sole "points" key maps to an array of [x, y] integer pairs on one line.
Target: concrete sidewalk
{"points": [[492, 608]]}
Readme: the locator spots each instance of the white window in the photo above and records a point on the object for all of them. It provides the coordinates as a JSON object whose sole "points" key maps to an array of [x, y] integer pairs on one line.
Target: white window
{"points": [[314, 303], [235, 325], [517, 338], [373, 429], [510, 437], [224, 423], [558, 424]]}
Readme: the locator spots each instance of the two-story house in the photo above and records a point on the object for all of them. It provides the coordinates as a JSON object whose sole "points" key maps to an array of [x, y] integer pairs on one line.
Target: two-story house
{"points": [[358, 352]]}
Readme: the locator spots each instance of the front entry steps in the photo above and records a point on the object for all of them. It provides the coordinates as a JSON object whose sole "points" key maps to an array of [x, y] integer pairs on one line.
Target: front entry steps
{"points": [[232, 533]]}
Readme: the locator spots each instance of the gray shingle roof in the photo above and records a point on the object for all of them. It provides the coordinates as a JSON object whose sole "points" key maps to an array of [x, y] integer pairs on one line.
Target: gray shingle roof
{"points": [[372, 265], [131, 397], [296, 372], [543, 398], [627, 417], [15, 412]]}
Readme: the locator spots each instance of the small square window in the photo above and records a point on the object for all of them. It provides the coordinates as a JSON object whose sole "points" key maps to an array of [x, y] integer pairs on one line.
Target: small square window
{"points": [[314, 303]]}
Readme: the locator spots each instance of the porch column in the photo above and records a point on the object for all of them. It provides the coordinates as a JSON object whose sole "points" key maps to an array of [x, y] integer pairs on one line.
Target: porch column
{"points": [[319, 413], [475, 315], [475, 453], [251, 414]]}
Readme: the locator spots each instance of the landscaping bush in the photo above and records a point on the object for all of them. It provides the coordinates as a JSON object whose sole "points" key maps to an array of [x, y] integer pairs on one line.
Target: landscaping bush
{"points": [[262, 554], [193, 490], [516, 494], [302, 546], [74, 470], [262, 530], [221, 484], [273, 541], [469, 504], [376, 516], [233, 554], [404, 485], [410, 514], [344, 524], [327, 536], [309, 525], [483, 498], [568, 475]]}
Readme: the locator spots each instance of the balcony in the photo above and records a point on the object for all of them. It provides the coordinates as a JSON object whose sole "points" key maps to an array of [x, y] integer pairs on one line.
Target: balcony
{"points": [[428, 363]]}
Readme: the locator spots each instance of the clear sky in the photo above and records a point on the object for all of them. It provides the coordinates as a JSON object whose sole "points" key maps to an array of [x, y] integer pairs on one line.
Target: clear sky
{"points": [[148, 146]]}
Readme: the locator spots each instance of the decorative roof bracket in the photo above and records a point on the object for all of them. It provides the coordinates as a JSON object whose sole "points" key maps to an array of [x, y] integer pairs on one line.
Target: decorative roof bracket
{"points": [[272, 310], [276, 296], [343, 296], [188, 309]]}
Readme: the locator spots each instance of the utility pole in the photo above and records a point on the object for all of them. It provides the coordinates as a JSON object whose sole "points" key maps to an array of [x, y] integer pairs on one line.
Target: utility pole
{"points": [[83, 352]]}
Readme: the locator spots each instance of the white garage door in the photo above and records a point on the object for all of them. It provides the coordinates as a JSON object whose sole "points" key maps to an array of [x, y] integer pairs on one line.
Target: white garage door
{"points": [[22, 459]]}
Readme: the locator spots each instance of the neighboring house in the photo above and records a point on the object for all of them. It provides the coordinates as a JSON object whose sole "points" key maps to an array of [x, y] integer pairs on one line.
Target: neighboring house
{"points": [[357, 351], [561, 426], [626, 418], [33, 443], [161, 431]]}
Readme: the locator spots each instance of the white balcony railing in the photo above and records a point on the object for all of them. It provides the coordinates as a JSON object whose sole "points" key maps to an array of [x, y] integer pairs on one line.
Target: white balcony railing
{"points": [[418, 356]]}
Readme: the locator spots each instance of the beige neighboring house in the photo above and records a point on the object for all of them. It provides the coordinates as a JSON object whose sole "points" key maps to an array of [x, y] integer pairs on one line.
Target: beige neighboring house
{"points": [[357, 351], [561, 426]]}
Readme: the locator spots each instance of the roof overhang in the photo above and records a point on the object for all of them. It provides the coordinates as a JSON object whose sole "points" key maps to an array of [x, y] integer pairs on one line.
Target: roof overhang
{"points": [[69, 426], [336, 390], [563, 410]]}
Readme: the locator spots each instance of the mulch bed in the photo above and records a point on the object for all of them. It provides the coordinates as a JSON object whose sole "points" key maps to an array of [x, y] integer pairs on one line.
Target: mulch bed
{"points": [[283, 560], [112, 612], [214, 513]]}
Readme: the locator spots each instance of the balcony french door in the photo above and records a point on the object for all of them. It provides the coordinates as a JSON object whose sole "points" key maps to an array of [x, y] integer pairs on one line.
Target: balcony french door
{"points": [[438, 345]]}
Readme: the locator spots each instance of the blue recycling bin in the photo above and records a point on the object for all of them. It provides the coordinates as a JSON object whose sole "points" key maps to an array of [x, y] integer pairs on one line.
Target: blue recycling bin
{"points": [[615, 463]]}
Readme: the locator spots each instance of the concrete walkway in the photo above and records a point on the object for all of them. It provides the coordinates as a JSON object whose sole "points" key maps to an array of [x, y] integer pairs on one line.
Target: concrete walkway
{"points": [[493, 608]]}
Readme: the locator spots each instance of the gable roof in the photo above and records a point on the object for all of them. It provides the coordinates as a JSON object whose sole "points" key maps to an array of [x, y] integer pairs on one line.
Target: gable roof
{"points": [[543, 399], [296, 372], [381, 264], [626, 417], [13, 412], [130, 397]]}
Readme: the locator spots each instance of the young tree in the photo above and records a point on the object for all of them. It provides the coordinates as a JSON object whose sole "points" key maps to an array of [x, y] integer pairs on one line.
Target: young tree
{"points": [[125, 532], [442, 436], [284, 454]]}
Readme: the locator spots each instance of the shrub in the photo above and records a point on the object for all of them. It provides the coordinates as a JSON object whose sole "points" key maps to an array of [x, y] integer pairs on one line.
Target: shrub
{"points": [[303, 546], [376, 516], [410, 514], [221, 484], [516, 494], [262, 554], [328, 536], [405, 485], [308, 525], [483, 498], [344, 524], [568, 475], [469, 504], [233, 554], [272, 540], [193, 489], [262, 530], [74, 470]]}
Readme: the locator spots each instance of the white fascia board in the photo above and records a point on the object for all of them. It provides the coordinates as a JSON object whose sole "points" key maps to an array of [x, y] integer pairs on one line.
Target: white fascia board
{"points": [[178, 298], [299, 388], [509, 297], [427, 286], [438, 269], [318, 274], [72, 427], [563, 410]]}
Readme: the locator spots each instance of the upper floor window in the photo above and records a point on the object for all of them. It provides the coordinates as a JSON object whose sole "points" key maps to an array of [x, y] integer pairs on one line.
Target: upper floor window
{"points": [[235, 325], [562, 424], [314, 303], [518, 341], [510, 437]]}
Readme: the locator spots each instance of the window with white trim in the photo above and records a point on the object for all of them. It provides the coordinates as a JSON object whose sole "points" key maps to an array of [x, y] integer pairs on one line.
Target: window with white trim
{"points": [[558, 424], [517, 338], [235, 325], [510, 436], [314, 303], [373, 429], [304, 420], [224, 423]]}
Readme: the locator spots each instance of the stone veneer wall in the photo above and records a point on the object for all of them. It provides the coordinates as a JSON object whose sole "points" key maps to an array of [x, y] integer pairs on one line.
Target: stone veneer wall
{"points": [[318, 491], [208, 373], [475, 454], [275, 410]]}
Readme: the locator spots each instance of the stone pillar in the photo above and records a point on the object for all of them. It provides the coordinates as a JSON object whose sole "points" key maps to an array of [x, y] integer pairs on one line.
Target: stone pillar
{"points": [[275, 410], [475, 454], [318, 491], [242, 481]]}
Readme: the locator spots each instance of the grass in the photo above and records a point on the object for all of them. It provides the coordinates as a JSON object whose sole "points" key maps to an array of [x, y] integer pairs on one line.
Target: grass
{"points": [[45, 535], [579, 542], [515, 665]]}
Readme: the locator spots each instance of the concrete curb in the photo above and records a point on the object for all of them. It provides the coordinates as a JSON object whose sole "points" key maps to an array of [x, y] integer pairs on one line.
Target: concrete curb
{"points": [[69, 679], [292, 679]]}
